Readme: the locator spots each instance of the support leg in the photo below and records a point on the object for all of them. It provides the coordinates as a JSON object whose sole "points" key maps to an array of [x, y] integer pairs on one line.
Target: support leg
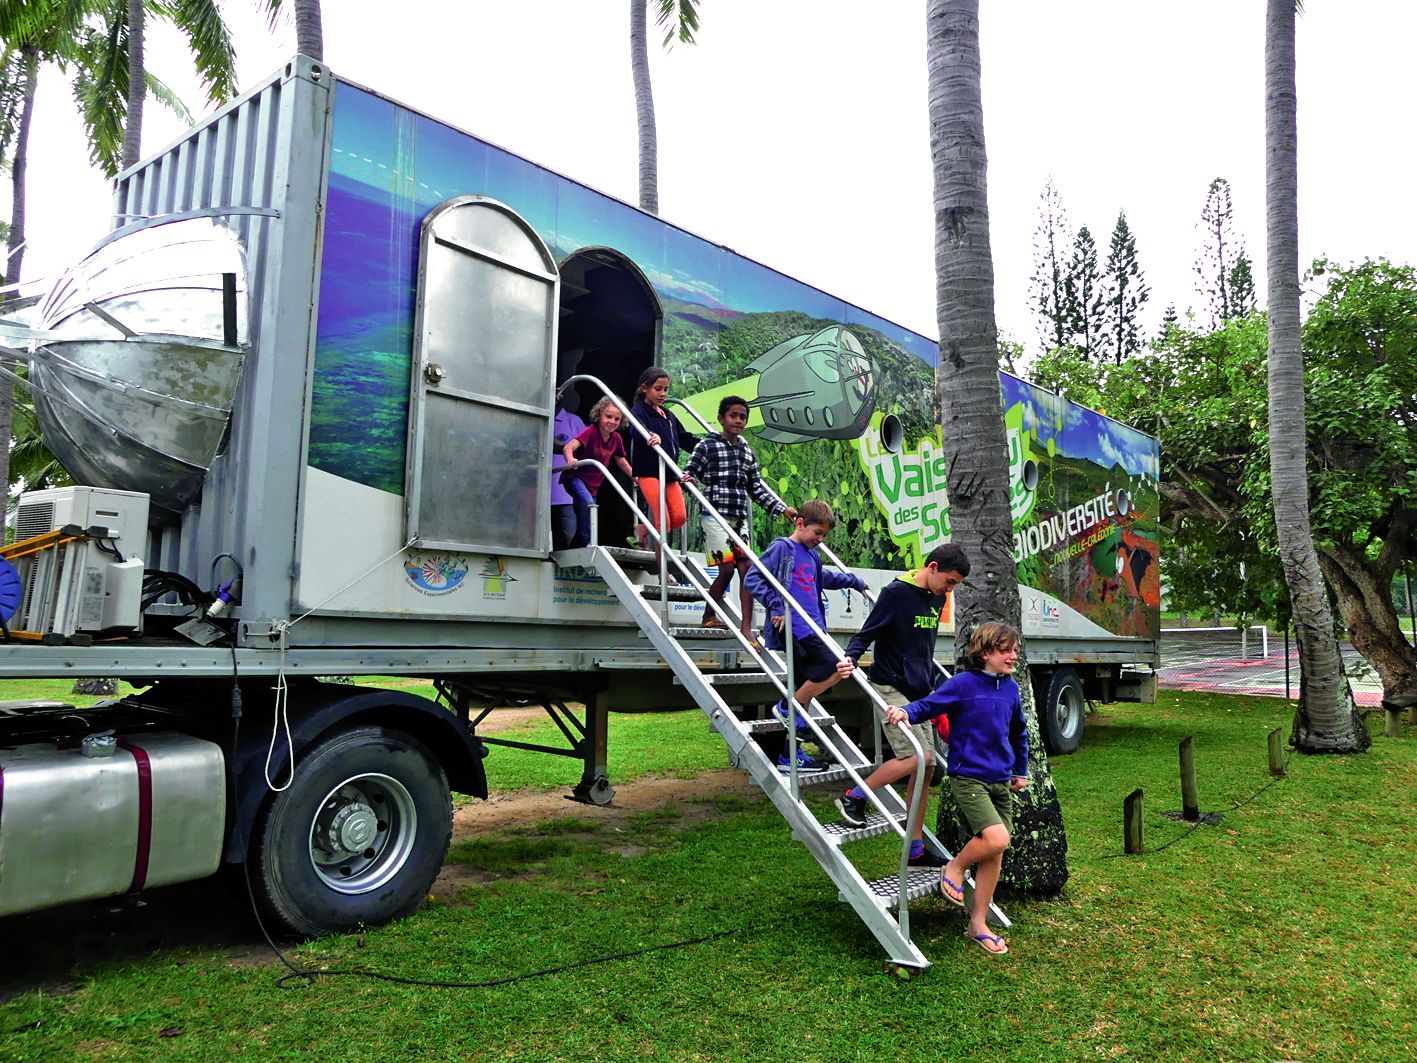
{"points": [[594, 787]]}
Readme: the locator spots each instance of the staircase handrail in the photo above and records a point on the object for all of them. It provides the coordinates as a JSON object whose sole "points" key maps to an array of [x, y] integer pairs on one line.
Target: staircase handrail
{"points": [[836, 562], [791, 607]]}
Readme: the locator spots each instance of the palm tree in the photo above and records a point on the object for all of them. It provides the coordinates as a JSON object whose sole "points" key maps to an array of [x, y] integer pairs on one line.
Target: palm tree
{"points": [[1326, 720], [309, 29], [212, 53], [680, 20], [970, 413]]}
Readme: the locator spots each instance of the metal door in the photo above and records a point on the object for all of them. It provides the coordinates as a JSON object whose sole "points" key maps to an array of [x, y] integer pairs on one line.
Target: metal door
{"points": [[481, 413]]}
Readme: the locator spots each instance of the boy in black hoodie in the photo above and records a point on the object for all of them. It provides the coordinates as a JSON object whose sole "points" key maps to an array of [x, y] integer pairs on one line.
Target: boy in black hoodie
{"points": [[903, 624]]}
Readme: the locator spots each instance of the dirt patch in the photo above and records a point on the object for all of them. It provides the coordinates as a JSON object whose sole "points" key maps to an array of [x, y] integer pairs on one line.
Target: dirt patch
{"points": [[513, 809]]}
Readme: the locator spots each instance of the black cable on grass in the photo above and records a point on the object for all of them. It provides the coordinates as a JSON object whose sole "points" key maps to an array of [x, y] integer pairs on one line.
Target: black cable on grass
{"points": [[1200, 823], [305, 977], [308, 978]]}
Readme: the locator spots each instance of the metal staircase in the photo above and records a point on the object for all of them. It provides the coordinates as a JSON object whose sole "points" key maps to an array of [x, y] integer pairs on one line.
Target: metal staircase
{"points": [[881, 903]]}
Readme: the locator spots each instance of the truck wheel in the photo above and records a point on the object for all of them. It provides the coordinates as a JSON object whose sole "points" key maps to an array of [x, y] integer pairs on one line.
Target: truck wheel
{"points": [[359, 835], [1061, 715]]}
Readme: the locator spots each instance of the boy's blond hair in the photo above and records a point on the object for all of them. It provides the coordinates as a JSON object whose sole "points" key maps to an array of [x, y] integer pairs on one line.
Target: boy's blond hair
{"points": [[987, 637], [600, 407], [815, 511]]}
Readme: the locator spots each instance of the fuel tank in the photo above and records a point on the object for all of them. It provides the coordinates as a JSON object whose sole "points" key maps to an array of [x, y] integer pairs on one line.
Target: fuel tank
{"points": [[106, 817]]}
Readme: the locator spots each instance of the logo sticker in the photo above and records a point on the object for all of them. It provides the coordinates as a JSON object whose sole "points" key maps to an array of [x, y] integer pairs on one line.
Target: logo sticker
{"points": [[434, 573]]}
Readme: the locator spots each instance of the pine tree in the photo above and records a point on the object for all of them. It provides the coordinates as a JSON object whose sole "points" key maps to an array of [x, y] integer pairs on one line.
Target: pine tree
{"points": [[1083, 296], [1242, 287], [1127, 292], [1167, 320], [1220, 256], [1050, 241]]}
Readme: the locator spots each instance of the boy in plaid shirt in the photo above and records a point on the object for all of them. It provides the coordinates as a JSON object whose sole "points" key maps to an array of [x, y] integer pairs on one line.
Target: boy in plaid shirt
{"points": [[727, 470]]}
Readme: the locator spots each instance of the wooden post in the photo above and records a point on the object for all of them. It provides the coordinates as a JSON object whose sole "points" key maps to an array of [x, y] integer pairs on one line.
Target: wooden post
{"points": [[1276, 753], [1131, 822], [1190, 806]]}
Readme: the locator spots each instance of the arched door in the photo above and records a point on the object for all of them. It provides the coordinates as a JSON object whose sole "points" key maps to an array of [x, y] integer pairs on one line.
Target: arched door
{"points": [[482, 404]]}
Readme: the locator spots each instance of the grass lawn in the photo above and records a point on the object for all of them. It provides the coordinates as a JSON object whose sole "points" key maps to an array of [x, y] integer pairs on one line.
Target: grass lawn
{"points": [[1284, 932]]}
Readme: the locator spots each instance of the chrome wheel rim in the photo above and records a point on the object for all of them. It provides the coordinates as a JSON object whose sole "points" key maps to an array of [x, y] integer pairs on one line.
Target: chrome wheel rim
{"points": [[362, 833]]}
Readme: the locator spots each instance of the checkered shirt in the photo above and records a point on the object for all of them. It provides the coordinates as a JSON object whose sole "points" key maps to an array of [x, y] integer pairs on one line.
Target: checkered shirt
{"points": [[728, 474]]}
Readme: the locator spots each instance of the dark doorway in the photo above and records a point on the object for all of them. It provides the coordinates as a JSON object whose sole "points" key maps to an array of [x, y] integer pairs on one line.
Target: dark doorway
{"points": [[609, 328]]}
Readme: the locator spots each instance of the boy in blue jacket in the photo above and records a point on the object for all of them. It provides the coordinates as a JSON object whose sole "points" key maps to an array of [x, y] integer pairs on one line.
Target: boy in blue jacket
{"points": [[796, 564], [987, 764]]}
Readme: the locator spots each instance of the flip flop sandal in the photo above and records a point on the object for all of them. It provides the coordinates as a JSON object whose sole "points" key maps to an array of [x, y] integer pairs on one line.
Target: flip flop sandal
{"points": [[980, 939], [713, 621], [950, 891]]}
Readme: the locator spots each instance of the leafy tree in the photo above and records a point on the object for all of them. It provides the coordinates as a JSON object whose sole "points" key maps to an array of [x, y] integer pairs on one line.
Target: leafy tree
{"points": [[680, 21], [970, 413], [1324, 720], [1084, 296], [1127, 292], [1206, 395], [1051, 238], [1220, 255]]}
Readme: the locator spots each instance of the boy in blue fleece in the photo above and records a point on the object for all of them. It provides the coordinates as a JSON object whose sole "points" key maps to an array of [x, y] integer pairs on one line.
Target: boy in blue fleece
{"points": [[988, 762], [796, 564]]}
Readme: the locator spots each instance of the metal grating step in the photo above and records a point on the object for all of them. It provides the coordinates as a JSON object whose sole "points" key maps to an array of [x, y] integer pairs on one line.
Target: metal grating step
{"points": [[728, 679], [924, 882], [824, 778], [676, 594], [697, 632], [844, 833], [772, 725], [627, 558]]}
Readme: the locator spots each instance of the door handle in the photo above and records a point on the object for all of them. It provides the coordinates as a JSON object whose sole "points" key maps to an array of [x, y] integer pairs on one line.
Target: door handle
{"points": [[434, 373]]}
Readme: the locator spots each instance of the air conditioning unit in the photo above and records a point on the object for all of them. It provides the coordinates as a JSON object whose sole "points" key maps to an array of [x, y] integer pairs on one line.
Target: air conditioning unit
{"points": [[86, 584]]}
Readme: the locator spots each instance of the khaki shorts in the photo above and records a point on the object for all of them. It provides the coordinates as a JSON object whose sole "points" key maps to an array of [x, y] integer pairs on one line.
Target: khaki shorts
{"points": [[924, 732], [983, 804], [718, 548]]}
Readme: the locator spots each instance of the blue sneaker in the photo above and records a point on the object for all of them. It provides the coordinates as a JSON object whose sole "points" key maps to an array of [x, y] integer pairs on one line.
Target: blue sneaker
{"points": [[805, 764], [804, 730]]}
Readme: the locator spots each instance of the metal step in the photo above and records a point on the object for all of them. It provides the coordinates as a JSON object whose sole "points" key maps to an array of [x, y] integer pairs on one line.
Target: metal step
{"points": [[676, 594], [772, 725], [844, 833], [625, 557], [921, 882], [697, 632], [729, 679], [826, 778]]}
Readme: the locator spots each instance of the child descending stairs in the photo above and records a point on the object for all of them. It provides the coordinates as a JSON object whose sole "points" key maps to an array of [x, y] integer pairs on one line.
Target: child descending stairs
{"points": [[881, 903]]}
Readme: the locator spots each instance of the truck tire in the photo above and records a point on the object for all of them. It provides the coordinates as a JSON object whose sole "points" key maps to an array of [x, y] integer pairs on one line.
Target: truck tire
{"points": [[359, 835], [1062, 712]]}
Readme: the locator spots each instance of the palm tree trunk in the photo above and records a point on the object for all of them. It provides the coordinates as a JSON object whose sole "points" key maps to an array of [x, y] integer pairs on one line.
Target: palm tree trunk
{"points": [[644, 108], [309, 31], [137, 84], [15, 255], [1325, 720], [973, 424]]}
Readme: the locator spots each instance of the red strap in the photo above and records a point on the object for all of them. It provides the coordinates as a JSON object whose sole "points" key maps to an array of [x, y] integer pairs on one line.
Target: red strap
{"points": [[145, 813]]}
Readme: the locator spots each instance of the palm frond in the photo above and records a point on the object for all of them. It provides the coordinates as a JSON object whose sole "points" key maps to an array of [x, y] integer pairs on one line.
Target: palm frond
{"points": [[164, 95], [101, 90], [679, 19], [207, 36]]}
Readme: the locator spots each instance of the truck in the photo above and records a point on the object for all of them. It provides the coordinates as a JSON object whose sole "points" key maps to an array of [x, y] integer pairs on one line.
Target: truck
{"points": [[307, 386]]}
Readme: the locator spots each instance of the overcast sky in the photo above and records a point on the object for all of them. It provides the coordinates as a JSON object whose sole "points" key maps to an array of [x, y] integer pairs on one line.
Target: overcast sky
{"points": [[795, 131]]}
